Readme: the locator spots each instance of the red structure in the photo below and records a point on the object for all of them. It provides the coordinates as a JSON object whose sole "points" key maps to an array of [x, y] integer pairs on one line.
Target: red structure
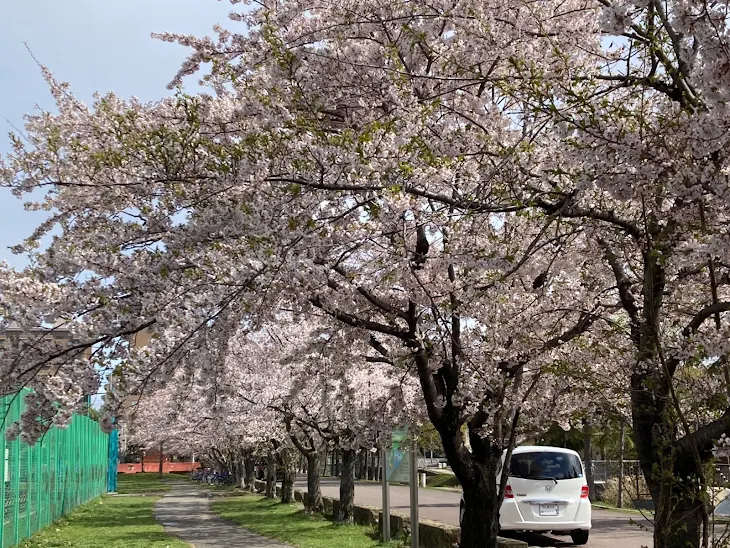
{"points": [[167, 467]]}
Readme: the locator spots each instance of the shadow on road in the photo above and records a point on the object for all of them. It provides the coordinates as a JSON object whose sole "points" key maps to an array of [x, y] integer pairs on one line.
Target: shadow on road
{"points": [[540, 540]]}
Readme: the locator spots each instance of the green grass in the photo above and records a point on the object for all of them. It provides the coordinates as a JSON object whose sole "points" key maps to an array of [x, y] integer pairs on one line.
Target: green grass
{"points": [[605, 506], [442, 480], [134, 484], [287, 522], [108, 522]]}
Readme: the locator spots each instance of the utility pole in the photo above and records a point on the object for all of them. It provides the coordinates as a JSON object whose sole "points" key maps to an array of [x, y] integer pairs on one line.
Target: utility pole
{"points": [[414, 493]]}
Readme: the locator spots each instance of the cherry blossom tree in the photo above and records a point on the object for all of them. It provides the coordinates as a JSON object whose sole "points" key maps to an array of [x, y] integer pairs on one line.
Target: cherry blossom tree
{"points": [[435, 285], [315, 377], [621, 137], [476, 187]]}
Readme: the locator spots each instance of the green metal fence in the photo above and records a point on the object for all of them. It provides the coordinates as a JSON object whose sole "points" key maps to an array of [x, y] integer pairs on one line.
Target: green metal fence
{"points": [[42, 482]]}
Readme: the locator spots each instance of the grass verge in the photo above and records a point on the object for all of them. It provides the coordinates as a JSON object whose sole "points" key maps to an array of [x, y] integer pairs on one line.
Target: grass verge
{"points": [[442, 480], [603, 506], [288, 523], [147, 483], [108, 522]]}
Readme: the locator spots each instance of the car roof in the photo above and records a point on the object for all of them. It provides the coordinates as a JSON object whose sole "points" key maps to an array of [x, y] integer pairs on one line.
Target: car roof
{"points": [[542, 449]]}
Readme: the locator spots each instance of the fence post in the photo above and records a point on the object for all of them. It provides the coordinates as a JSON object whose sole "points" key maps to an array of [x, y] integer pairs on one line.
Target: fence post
{"points": [[39, 484], [113, 457], [5, 463], [15, 474], [29, 455]]}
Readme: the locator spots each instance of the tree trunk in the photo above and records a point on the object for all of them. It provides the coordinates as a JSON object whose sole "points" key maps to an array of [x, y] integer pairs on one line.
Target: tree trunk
{"points": [[237, 469], [324, 461], [588, 458], [249, 471], [314, 502], [358, 465], [270, 476], [671, 470], [678, 521], [289, 464], [347, 486], [162, 461], [479, 525], [287, 485]]}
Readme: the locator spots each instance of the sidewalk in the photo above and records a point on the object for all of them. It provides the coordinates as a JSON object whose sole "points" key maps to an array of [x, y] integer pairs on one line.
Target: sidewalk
{"points": [[185, 512]]}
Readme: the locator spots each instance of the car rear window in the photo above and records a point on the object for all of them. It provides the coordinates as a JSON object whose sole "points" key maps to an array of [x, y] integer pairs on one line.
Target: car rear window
{"points": [[545, 465]]}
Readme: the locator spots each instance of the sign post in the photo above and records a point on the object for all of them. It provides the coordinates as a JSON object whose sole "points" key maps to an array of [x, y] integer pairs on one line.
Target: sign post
{"points": [[414, 494], [386, 492]]}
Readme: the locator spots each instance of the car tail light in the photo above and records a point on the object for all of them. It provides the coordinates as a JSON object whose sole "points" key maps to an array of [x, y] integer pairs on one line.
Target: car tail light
{"points": [[584, 492], [508, 494]]}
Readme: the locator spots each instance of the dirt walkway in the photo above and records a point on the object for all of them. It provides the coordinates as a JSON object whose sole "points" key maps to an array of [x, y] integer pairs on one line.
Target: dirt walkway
{"points": [[185, 512]]}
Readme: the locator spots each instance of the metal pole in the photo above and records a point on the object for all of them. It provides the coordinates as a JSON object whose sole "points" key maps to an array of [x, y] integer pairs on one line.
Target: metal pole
{"points": [[386, 493], [620, 499], [414, 494]]}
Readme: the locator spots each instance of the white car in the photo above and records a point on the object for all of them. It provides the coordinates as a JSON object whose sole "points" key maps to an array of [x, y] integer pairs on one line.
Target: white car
{"points": [[546, 491]]}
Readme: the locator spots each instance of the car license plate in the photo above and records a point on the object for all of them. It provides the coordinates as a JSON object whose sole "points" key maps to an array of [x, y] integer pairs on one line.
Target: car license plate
{"points": [[548, 509]]}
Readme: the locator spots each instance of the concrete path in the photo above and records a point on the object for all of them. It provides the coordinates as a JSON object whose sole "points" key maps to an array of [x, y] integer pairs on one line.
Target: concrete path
{"points": [[185, 512]]}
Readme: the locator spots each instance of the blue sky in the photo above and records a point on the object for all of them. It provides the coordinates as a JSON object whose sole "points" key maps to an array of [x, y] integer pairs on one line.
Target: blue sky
{"points": [[94, 45]]}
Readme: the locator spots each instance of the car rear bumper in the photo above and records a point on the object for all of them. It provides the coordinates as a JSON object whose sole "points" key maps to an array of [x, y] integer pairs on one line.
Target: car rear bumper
{"points": [[519, 516], [544, 526]]}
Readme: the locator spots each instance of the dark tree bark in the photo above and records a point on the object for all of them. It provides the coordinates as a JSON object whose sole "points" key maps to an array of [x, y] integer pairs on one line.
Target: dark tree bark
{"points": [[481, 508], [358, 465], [290, 476], [249, 465], [287, 486], [324, 461], [672, 465], [270, 476], [362, 464], [347, 486], [314, 501], [162, 461], [310, 452], [678, 521], [238, 471], [287, 459]]}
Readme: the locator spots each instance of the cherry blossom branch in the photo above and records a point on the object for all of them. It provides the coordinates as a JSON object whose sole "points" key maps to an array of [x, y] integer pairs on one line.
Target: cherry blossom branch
{"points": [[360, 323], [628, 300], [703, 315]]}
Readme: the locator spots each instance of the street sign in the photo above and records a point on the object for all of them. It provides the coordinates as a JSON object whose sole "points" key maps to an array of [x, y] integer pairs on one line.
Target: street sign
{"points": [[398, 459]]}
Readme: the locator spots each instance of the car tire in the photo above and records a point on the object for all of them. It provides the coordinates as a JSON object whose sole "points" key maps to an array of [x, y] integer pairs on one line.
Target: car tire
{"points": [[579, 537]]}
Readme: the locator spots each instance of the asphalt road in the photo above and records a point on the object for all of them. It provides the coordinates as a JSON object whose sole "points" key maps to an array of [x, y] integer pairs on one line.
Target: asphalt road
{"points": [[610, 529]]}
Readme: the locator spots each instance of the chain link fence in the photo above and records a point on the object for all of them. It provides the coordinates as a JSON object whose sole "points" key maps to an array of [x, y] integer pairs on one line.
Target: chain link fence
{"points": [[40, 483], [621, 484]]}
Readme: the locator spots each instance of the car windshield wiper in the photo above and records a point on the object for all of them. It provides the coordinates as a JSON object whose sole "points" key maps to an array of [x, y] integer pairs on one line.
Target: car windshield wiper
{"points": [[542, 478]]}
